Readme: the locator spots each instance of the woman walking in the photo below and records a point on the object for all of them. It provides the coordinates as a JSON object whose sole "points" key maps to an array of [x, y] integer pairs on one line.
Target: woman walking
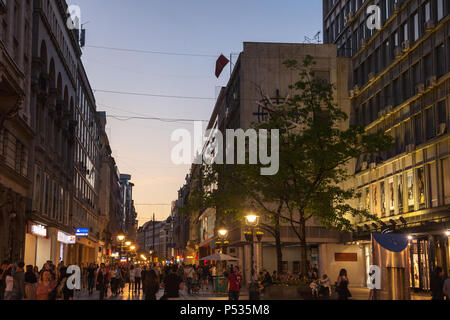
{"points": [[342, 286], [30, 283], [46, 288]]}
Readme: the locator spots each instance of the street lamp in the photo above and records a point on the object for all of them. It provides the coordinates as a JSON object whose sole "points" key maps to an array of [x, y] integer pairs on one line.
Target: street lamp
{"points": [[120, 237], [252, 222], [128, 243]]}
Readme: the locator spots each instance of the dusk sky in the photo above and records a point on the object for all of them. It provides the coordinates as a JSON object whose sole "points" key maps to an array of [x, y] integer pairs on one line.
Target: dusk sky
{"points": [[142, 148]]}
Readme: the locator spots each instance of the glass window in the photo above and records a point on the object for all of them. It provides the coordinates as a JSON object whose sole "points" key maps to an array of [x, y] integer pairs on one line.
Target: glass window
{"points": [[410, 187], [421, 186]]}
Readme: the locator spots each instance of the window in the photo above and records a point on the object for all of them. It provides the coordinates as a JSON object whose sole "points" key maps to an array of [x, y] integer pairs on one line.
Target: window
{"points": [[442, 112], [421, 187], [418, 129], [430, 123], [440, 9], [383, 199], [440, 61], [416, 29], [445, 165], [427, 11], [410, 187], [400, 193]]}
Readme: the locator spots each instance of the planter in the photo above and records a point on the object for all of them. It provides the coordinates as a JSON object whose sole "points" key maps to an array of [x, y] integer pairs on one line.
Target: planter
{"points": [[277, 292]]}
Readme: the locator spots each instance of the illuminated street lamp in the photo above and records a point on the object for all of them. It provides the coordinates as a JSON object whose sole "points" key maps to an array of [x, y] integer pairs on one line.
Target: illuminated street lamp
{"points": [[252, 220], [132, 248], [120, 237], [223, 233], [128, 243]]}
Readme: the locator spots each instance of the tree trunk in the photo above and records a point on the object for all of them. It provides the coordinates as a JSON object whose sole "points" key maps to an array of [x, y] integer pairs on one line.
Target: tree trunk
{"points": [[303, 248], [278, 245]]}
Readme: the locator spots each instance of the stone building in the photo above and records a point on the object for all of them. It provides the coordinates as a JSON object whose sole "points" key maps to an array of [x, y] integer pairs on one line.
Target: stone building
{"points": [[15, 126], [400, 85], [260, 70]]}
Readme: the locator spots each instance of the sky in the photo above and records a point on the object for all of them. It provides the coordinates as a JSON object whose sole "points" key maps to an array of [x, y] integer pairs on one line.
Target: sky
{"points": [[203, 29]]}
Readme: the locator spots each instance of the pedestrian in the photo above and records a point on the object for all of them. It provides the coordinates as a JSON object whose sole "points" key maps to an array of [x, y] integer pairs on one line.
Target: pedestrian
{"points": [[19, 282], [446, 288], [342, 286], [8, 278], [150, 285], [189, 275], [325, 286], [266, 280], [30, 283], [4, 267], [234, 284], [137, 279], [131, 281], [102, 281], [46, 286], [172, 284], [67, 294], [437, 284], [91, 278]]}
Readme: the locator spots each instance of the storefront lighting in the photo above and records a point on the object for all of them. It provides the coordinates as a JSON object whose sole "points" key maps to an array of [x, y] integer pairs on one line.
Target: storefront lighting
{"points": [[120, 237], [447, 233], [410, 237]]}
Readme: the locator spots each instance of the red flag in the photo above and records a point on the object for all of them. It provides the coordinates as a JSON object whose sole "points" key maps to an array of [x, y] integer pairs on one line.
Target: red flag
{"points": [[221, 64]]}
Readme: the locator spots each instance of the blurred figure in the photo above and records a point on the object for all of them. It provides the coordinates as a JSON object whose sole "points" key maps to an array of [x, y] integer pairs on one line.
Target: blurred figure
{"points": [[342, 285], [30, 283], [437, 284], [46, 287]]}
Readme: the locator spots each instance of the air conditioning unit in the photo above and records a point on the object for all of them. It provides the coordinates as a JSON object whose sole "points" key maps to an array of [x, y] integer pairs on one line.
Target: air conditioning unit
{"points": [[373, 166], [429, 25], [409, 148], [371, 76], [431, 81], [442, 129], [406, 45], [398, 52], [420, 88]]}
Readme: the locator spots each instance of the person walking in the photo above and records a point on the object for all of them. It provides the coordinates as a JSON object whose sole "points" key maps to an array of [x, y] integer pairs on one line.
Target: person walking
{"points": [[91, 278], [46, 287], [150, 284], [342, 286], [437, 284], [234, 284], [30, 283], [172, 284], [102, 281], [18, 292], [213, 276], [446, 288], [137, 279], [8, 278], [189, 275]]}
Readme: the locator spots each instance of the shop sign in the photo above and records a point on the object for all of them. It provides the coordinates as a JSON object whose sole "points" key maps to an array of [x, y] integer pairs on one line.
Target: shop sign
{"points": [[82, 232], [115, 255], [66, 238], [38, 230]]}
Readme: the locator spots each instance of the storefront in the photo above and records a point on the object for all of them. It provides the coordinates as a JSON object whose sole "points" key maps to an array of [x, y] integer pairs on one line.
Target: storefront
{"points": [[38, 244]]}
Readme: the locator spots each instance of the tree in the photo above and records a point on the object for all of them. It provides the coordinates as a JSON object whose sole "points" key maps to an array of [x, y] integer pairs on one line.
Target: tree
{"points": [[315, 150]]}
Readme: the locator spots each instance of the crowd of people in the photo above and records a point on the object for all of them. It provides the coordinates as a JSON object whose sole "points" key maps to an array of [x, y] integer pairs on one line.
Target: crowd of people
{"points": [[20, 282]]}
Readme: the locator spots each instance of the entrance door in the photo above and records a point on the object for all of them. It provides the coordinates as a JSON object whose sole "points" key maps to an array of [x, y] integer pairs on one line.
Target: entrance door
{"points": [[420, 270]]}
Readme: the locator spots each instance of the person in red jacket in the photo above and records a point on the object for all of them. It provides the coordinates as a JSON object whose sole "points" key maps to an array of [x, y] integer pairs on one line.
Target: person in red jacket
{"points": [[234, 284]]}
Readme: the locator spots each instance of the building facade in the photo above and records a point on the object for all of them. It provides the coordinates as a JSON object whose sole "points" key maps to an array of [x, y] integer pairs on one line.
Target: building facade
{"points": [[16, 134], [259, 71], [129, 215], [401, 85], [55, 54]]}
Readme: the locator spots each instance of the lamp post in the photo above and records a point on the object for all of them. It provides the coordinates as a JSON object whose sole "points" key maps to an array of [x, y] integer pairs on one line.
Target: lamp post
{"points": [[121, 238], [252, 222]]}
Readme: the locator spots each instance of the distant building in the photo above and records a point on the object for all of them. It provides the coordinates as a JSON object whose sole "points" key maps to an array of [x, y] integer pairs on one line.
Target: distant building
{"points": [[129, 215]]}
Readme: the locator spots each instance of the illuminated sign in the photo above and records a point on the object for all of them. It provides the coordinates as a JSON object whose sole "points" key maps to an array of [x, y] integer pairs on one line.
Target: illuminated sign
{"points": [[82, 232], [66, 238], [115, 255], [38, 230]]}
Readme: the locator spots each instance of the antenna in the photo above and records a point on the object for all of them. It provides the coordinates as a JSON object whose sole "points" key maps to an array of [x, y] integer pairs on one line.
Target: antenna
{"points": [[315, 39]]}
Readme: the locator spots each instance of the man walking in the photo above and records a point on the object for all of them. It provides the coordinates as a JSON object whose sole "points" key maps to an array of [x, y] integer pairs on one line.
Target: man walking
{"points": [[234, 284], [18, 290], [189, 274], [137, 279]]}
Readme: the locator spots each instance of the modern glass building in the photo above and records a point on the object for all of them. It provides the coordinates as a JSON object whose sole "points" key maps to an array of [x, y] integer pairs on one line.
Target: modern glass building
{"points": [[400, 84]]}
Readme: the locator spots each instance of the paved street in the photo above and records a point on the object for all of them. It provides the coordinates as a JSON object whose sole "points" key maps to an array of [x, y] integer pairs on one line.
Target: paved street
{"points": [[357, 294], [130, 295]]}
